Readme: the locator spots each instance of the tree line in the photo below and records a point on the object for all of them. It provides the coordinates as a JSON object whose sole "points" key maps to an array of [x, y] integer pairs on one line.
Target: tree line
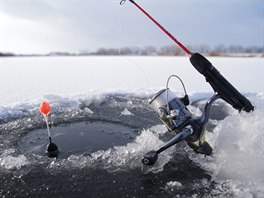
{"points": [[170, 50], [173, 50]]}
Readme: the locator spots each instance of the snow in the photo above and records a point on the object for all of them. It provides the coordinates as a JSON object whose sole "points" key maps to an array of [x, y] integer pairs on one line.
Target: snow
{"points": [[8, 161], [28, 79], [173, 184], [237, 140], [126, 112]]}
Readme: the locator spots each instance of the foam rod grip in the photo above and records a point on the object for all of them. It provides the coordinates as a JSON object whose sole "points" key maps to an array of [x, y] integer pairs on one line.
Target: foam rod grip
{"points": [[220, 85]]}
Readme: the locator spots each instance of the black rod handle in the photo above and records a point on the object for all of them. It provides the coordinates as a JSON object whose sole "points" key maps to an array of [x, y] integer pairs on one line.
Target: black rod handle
{"points": [[220, 85]]}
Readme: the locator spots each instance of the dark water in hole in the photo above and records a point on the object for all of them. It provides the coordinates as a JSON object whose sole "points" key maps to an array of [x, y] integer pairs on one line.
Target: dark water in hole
{"points": [[82, 139], [101, 150], [78, 138]]}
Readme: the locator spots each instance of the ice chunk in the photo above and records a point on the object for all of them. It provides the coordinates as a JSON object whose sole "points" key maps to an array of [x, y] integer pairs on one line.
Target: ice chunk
{"points": [[126, 112], [7, 161]]}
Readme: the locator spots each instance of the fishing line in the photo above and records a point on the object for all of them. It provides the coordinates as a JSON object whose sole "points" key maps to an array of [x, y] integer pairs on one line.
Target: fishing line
{"points": [[1, 81], [220, 85], [1, 59], [187, 51], [120, 33]]}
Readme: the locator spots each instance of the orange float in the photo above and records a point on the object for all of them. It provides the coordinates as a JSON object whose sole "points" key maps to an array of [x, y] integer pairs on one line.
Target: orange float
{"points": [[44, 108]]}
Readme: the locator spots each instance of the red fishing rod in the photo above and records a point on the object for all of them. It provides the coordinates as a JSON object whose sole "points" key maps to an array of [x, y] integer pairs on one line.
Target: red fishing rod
{"points": [[221, 86], [160, 26]]}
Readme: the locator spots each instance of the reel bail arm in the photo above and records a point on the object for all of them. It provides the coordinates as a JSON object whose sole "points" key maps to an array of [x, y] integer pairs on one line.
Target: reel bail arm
{"points": [[172, 111], [220, 85]]}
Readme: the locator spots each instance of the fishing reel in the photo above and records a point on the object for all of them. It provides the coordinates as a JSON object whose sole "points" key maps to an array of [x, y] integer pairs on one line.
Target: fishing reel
{"points": [[173, 112]]}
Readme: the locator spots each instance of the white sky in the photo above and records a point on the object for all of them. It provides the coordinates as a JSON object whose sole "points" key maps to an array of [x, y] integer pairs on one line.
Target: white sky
{"points": [[41, 26]]}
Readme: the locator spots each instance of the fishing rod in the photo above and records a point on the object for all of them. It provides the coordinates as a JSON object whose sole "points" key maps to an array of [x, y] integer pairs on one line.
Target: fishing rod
{"points": [[219, 84], [160, 26], [172, 111]]}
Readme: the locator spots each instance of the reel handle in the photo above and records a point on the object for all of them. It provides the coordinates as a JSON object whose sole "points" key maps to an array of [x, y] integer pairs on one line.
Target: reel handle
{"points": [[151, 157]]}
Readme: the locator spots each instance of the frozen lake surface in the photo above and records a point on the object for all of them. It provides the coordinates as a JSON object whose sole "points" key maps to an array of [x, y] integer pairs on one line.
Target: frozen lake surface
{"points": [[27, 79], [102, 123]]}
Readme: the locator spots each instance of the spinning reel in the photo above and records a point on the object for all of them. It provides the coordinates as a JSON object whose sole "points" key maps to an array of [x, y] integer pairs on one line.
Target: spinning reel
{"points": [[172, 111]]}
